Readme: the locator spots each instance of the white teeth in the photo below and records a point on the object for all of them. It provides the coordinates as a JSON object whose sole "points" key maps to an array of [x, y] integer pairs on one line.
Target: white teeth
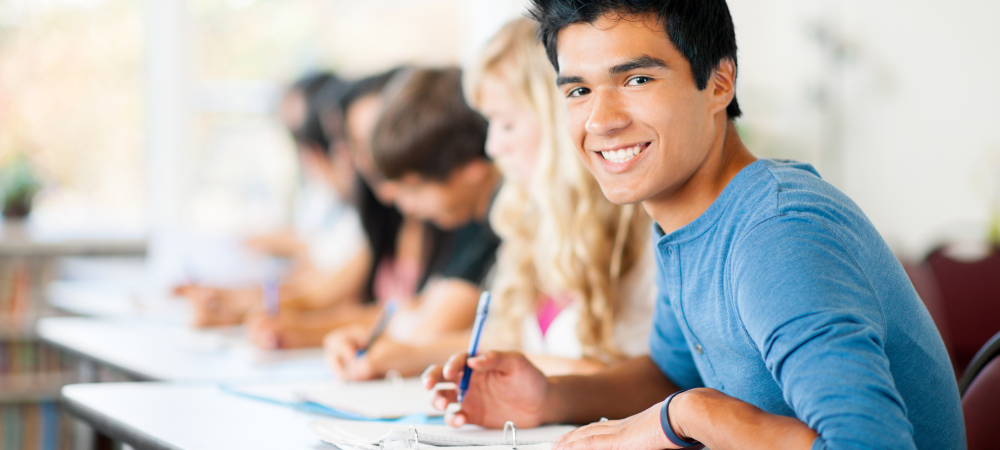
{"points": [[621, 155]]}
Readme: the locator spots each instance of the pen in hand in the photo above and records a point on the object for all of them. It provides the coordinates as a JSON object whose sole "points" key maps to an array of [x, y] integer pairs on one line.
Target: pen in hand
{"points": [[272, 288], [477, 331], [378, 327]]}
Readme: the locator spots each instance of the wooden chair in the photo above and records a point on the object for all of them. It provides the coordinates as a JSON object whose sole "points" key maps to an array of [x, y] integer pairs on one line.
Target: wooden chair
{"points": [[970, 294], [980, 389]]}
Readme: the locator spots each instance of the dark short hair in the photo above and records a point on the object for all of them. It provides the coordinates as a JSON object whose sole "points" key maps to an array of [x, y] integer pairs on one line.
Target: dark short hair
{"points": [[426, 127], [329, 112], [370, 85], [702, 30]]}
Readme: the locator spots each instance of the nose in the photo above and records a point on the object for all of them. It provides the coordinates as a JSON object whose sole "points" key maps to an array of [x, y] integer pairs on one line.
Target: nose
{"points": [[607, 115], [494, 145]]}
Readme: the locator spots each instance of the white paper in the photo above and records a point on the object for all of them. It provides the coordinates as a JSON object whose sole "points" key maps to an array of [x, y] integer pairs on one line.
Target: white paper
{"points": [[375, 399], [378, 399]]}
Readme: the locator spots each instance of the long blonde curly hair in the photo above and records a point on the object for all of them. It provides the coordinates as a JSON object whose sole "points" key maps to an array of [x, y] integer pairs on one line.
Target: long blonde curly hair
{"points": [[563, 236]]}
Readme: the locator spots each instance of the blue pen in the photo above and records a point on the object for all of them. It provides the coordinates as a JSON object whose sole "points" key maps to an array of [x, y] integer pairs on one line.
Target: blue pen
{"points": [[378, 327], [271, 288], [477, 331]]}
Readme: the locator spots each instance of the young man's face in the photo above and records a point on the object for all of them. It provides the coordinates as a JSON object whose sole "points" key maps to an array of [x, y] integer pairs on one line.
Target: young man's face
{"points": [[637, 118]]}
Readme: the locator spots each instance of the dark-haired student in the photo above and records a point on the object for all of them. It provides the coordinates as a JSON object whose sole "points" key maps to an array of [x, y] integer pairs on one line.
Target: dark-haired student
{"points": [[420, 266], [327, 233], [784, 321], [323, 191], [430, 147]]}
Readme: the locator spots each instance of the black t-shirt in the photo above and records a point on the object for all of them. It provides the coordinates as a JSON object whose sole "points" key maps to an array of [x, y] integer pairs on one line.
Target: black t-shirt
{"points": [[467, 253]]}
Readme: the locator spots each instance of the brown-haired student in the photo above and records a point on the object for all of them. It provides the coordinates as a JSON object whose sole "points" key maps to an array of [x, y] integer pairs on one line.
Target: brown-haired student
{"points": [[456, 248], [430, 147]]}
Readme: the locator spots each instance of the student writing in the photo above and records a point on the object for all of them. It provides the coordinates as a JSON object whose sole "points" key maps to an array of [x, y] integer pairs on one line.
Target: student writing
{"points": [[452, 255], [327, 230]]}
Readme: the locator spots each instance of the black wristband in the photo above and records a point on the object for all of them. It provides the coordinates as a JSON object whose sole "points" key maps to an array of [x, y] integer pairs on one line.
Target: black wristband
{"points": [[669, 431]]}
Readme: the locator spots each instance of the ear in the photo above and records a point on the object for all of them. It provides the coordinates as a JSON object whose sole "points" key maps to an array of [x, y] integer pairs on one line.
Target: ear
{"points": [[723, 85]]}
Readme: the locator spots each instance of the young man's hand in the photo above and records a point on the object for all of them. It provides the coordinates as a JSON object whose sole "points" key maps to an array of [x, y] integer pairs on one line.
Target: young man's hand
{"points": [[639, 432], [504, 386], [707, 415]]}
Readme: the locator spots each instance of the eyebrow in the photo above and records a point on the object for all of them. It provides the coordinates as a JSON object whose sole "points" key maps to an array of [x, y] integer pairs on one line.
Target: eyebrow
{"points": [[642, 62], [561, 80]]}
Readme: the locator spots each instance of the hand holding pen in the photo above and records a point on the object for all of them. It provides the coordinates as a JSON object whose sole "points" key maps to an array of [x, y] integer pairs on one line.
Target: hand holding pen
{"points": [[506, 386], [345, 348], [378, 327]]}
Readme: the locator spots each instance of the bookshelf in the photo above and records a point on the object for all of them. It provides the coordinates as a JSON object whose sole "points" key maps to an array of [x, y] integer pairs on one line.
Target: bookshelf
{"points": [[31, 371]]}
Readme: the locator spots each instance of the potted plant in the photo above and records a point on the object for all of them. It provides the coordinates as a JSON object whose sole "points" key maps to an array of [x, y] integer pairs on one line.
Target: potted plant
{"points": [[18, 186]]}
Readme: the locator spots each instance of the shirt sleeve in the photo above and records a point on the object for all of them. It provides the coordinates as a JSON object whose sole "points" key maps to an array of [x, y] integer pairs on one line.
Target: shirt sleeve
{"points": [[667, 346], [820, 329]]}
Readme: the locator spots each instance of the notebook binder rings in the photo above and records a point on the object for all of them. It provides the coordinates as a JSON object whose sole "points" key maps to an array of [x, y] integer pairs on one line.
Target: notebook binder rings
{"points": [[507, 428]]}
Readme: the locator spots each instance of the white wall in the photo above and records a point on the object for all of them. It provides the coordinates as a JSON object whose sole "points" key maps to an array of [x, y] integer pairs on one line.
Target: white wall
{"points": [[911, 134], [481, 19]]}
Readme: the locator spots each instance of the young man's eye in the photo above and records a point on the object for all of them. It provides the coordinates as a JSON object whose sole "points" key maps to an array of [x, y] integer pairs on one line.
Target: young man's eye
{"points": [[636, 81], [578, 92]]}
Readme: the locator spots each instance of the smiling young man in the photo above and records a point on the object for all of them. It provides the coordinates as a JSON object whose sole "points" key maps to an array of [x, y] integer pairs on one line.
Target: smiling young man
{"points": [[784, 321]]}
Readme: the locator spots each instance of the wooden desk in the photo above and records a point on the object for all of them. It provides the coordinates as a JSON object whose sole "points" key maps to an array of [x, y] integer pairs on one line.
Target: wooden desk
{"points": [[167, 416], [166, 349]]}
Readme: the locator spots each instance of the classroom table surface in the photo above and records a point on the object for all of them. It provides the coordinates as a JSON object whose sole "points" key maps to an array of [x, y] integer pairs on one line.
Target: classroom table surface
{"points": [[25, 238], [120, 299], [185, 416], [166, 349]]}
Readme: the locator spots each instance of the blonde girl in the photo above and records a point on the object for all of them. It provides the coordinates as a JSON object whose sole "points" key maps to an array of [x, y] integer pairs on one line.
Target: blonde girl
{"points": [[574, 281]]}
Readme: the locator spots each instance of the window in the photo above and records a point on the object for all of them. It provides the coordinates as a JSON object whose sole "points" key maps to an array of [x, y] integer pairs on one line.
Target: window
{"points": [[71, 100]]}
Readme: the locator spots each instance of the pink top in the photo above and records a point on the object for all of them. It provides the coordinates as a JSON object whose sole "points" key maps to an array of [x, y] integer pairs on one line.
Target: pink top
{"points": [[550, 309]]}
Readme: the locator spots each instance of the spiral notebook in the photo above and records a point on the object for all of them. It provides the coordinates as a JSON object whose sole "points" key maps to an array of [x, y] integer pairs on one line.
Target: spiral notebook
{"points": [[374, 436]]}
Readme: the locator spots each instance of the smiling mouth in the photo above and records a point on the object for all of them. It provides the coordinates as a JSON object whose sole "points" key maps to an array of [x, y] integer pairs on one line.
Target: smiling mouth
{"points": [[625, 153]]}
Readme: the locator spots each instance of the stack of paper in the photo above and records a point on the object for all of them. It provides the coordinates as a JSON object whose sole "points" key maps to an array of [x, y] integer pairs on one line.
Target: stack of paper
{"points": [[367, 435]]}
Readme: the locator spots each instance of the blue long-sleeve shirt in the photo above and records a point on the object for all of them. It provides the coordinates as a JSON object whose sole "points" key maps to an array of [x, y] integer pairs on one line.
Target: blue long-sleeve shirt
{"points": [[782, 294]]}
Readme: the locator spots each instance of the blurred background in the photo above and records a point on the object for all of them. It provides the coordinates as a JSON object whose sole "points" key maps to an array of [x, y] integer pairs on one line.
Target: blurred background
{"points": [[133, 120], [145, 115]]}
